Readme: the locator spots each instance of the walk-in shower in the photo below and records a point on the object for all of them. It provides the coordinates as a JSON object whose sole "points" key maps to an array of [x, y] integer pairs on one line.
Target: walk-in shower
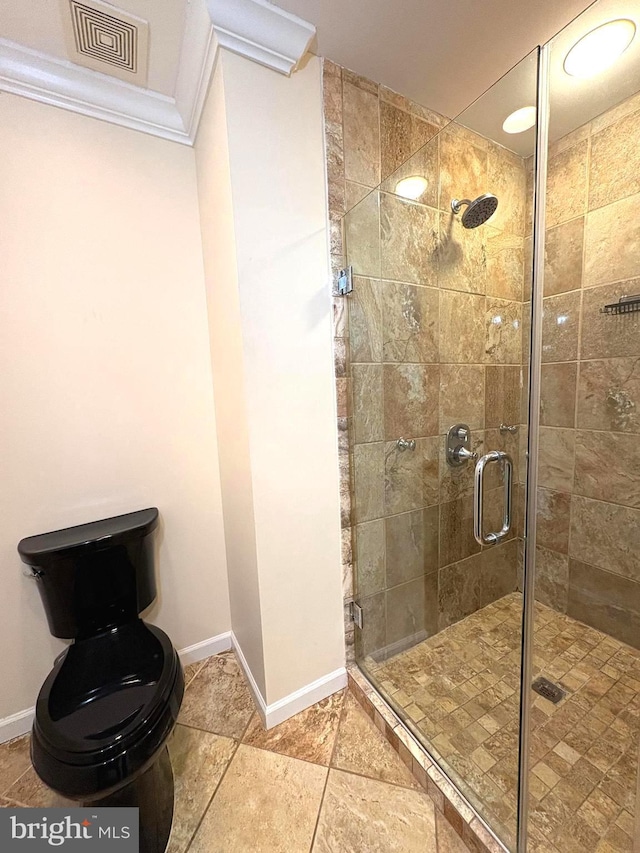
{"points": [[509, 647]]}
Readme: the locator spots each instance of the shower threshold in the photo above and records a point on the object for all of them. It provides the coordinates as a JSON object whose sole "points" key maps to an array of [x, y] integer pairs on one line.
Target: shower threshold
{"points": [[425, 768]]}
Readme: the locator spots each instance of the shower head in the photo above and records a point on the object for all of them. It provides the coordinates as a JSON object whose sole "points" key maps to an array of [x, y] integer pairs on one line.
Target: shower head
{"points": [[478, 210]]}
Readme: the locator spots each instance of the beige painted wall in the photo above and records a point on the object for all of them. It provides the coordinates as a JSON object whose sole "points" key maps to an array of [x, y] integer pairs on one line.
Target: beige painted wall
{"points": [[225, 335], [280, 269], [105, 378]]}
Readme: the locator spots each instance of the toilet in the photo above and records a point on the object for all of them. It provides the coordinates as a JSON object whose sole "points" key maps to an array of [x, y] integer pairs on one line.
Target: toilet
{"points": [[108, 706]]}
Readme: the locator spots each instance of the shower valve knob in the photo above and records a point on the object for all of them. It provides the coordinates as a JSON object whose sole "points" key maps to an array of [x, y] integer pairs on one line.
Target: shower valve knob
{"points": [[461, 453]]}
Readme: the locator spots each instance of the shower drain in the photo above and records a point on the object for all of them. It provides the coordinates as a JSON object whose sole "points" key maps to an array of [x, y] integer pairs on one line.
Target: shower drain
{"points": [[548, 690]]}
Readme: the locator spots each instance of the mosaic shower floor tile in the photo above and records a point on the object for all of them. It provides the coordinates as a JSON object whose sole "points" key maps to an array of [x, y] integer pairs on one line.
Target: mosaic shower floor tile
{"points": [[459, 691]]}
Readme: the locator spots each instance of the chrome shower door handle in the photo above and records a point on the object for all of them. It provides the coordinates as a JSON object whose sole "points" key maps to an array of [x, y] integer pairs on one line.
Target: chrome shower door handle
{"points": [[478, 499]]}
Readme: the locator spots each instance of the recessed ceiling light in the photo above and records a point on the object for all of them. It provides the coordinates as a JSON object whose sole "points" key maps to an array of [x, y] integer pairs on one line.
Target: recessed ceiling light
{"points": [[600, 48], [412, 187], [520, 120]]}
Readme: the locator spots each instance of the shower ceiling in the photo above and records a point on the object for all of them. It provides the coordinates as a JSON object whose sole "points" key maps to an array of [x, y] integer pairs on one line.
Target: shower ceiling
{"points": [[575, 100], [445, 55], [438, 53]]}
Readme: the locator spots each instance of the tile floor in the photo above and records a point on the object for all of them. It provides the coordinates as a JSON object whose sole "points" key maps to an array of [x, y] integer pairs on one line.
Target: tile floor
{"points": [[459, 689], [326, 780]]}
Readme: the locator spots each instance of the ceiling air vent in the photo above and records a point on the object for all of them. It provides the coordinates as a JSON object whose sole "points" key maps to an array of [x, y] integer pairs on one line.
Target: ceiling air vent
{"points": [[104, 38]]}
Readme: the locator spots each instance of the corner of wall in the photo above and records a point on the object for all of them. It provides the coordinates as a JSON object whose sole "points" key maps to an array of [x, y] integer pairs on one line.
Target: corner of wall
{"points": [[263, 215]]}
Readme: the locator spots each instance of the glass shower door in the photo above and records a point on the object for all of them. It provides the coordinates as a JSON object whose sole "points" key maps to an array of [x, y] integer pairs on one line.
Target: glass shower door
{"points": [[584, 728], [438, 345]]}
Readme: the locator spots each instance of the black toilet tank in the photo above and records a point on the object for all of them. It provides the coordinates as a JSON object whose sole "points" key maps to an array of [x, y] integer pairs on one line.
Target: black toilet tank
{"points": [[94, 576]]}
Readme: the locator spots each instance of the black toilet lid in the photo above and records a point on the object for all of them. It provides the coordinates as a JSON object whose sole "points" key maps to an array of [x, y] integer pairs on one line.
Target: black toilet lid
{"points": [[105, 690]]}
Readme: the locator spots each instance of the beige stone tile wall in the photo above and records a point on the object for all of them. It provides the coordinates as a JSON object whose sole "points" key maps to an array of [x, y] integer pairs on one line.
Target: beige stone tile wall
{"points": [[589, 471], [431, 336]]}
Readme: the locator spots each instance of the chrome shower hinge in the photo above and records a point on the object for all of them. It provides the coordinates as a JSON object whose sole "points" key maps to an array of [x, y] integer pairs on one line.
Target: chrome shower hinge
{"points": [[357, 615], [345, 281]]}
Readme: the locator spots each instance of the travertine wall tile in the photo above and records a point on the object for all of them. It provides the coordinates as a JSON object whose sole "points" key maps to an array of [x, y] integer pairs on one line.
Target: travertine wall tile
{"points": [[370, 554], [455, 482], [424, 163], [591, 371], [354, 193], [365, 320], [367, 402], [412, 347], [462, 328], [462, 396], [411, 541], [563, 257], [502, 395], [607, 467], [410, 323], [411, 394], [612, 243], [462, 255], [607, 601], [411, 477], [408, 240], [463, 165], [558, 394], [373, 636], [615, 162], [503, 331], [506, 178], [609, 395], [498, 569], [606, 535], [401, 135], [368, 460], [567, 184], [361, 135], [346, 550], [604, 335], [560, 327], [362, 236], [360, 82], [505, 259], [412, 610], [552, 578], [459, 590], [556, 462], [616, 113], [456, 531], [412, 107], [553, 521]]}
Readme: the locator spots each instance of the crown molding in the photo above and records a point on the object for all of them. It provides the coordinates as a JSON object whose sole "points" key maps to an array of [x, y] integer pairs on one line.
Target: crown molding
{"points": [[262, 32], [254, 29], [53, 81], [197, 58]]}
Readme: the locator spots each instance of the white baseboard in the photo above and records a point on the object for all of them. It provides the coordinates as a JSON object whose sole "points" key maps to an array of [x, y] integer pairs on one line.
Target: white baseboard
{"points": [[306, 696], [206, 648], [294, 703], [258, 698], [16, 725], [20, 723]]}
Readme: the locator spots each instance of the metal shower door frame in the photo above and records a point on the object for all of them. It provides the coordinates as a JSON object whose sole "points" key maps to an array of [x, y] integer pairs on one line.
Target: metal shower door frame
{"points": [[533, 421]]}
